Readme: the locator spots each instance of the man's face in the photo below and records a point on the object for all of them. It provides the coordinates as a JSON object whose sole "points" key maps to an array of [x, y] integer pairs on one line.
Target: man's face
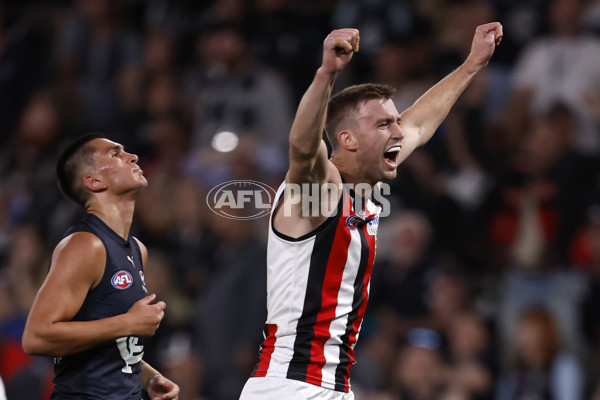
{"points": [[379, 139], [117, 168]]}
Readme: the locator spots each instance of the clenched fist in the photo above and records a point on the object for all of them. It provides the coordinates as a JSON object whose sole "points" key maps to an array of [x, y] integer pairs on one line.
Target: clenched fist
{"points": [[145, 317], [338, 48]]}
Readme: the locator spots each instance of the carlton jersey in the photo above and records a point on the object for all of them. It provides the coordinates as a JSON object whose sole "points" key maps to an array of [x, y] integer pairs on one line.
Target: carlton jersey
{"points": [[110, 370], [317, 292]]}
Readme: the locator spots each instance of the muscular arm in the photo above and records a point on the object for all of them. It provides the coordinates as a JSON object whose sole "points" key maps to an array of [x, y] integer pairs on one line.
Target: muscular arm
{"points": [[77, 266], [308, 152], [420, 121]]}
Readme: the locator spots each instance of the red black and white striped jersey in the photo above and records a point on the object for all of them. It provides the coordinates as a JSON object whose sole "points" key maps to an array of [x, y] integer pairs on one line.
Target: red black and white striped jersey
{"points": [[317, 292]]}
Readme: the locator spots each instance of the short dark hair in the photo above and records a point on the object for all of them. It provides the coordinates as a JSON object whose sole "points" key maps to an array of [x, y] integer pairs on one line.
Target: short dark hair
{"points": [[347, 100], [69, 166]]}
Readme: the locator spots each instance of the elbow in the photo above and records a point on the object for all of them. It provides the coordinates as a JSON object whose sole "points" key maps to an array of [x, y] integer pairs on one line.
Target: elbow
{"points": [[301, 150], [33, 344], [30, 344]]}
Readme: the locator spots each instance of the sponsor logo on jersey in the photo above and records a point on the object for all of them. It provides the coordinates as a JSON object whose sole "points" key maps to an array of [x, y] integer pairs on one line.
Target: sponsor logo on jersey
{"points": [[373, 225], [122, 280]]}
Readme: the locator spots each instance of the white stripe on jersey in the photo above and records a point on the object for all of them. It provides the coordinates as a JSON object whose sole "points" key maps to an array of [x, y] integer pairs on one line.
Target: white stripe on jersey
{"points": [[344, 307]]}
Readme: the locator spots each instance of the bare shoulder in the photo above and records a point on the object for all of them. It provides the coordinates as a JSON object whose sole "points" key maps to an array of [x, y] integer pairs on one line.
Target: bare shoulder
{"points": [[80, 242], [81, 255], [305, 206]]}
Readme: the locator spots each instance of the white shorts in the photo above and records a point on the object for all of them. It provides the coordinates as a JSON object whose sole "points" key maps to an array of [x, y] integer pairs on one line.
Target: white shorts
{"points": [[274, 388]]}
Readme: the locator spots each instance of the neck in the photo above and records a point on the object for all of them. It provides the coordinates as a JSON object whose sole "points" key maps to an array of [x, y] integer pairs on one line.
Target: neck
{"points": [[117, 215], [351, 175]]}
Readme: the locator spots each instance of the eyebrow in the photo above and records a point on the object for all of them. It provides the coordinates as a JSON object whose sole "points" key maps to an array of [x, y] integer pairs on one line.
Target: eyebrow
{"points": [[117, 147], [389, 119]]}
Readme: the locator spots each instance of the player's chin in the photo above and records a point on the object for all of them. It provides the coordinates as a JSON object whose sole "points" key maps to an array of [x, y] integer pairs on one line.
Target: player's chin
{"points": [[141, 182], [388, 174]]}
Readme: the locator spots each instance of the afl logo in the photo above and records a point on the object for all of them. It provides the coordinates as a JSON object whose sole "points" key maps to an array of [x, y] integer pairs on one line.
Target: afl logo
{"points": [[241, 199], [122, 280], [354, 221]]}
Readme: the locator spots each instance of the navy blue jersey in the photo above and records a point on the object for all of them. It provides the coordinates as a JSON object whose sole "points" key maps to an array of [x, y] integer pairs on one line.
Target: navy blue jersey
{"points": [[110, 370]]}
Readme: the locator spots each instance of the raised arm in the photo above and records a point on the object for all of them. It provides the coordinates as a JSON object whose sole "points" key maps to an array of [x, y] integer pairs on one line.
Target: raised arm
{"points": [[308, 152], [420, 121], [77, 266]]}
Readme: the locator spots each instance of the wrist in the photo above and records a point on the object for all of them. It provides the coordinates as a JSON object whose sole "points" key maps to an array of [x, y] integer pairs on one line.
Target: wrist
{"points": [[324, 74], [125, 328], [471, 67]]}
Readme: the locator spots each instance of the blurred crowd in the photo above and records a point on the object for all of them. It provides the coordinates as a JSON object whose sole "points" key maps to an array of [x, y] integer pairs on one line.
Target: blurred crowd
{"points": [[487, 278]]}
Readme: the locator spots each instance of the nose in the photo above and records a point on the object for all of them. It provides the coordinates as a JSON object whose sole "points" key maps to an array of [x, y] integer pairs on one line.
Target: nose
{"points": [[133, 158], [397, 132]]}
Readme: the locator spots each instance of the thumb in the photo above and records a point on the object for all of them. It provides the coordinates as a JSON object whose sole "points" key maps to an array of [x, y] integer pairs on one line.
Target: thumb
{"points": [[148, 299]]}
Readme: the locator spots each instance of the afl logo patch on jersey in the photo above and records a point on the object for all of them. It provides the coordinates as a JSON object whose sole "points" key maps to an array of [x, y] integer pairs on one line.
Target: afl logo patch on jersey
{"points": [[122, 280], [358, 221]]}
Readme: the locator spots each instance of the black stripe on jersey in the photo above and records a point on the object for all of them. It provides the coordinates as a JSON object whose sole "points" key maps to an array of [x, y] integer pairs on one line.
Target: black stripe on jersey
{"points": [[342, 368], [312, 302]]}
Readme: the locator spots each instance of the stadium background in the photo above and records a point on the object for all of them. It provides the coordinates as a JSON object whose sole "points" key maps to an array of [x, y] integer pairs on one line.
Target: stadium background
{"points": [[487, 276]]}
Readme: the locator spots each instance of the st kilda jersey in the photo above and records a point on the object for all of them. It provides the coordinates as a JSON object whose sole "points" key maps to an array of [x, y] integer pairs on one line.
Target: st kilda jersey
{"points": [[110, 370], [317, 292]]}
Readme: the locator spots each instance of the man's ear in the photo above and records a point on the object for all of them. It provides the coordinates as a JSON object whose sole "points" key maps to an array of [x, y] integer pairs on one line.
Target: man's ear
{"points": [[93, 183], [347, 140]]}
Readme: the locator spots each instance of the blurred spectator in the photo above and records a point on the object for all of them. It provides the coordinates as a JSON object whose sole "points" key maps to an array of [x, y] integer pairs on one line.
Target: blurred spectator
{"points": [[27, 161], [23, 68], [228, 316], [25, 376], [559, 67], [287, 35], [94, 45], [400, 277], [182, 363], [585, 253], [469, 370], [541, 368], [418, 373], [541, 199], [448, 296], [232, 92]]}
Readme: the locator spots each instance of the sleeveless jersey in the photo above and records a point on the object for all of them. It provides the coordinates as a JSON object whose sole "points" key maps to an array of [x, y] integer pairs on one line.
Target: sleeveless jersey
{"points": [[317, 292], [110, 370]]}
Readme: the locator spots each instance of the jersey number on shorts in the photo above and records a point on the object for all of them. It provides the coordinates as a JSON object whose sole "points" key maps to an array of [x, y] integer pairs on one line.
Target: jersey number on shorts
{"points": [[130, 351]]}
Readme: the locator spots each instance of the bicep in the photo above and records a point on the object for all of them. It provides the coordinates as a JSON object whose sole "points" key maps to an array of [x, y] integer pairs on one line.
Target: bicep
{"points": [[308, 168], [77, 265], [413, 138]]}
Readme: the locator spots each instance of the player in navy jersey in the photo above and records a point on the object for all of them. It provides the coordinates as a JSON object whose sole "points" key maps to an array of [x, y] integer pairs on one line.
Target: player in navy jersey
{"points": [[319, 264], [93, 311]]}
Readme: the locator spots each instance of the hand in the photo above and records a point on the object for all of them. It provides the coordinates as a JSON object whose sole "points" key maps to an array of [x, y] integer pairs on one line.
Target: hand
{"points": [[144, 317], [160, 388], [485, 40], [338, 48]]}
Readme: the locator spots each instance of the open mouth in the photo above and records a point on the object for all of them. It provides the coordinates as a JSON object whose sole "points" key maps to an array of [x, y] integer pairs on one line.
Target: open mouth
{"points": [[391, 155]]}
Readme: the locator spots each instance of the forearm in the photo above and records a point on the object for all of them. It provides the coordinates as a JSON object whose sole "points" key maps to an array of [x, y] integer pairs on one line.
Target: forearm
{"points": [[428, 112], [63, 338], [147, 374], [307, 129]]}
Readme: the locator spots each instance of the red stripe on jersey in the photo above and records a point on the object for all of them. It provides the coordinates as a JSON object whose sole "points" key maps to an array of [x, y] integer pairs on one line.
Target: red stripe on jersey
{"points": [[267, 351], [331, 287], [363, 306]]}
